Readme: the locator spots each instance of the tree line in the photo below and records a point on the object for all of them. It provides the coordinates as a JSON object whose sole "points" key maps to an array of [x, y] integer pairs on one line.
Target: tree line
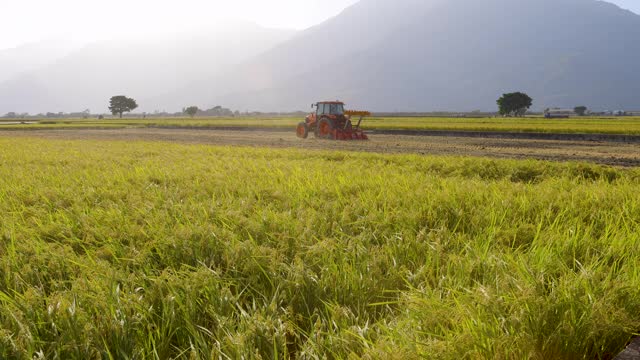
{"points": [[517, 104], [514, 104], [120, 104]]}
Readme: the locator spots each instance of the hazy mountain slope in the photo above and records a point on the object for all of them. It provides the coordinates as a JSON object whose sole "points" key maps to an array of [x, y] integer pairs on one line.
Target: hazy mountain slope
{"points": [[32, 56], [450, 55], [87, 77], [356, 29], [405, 55]]}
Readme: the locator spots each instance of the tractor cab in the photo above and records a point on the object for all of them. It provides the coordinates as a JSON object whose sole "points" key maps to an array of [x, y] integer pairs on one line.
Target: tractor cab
{"points": [[331, 121], [329, 108]]}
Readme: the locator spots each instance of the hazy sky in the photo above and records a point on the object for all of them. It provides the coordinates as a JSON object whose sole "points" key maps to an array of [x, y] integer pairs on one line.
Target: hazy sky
{"points": [[33, 20], [633, 5]]}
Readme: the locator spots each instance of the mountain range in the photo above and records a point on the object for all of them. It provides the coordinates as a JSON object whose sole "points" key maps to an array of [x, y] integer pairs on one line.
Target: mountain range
{"points": [[381, 55]]}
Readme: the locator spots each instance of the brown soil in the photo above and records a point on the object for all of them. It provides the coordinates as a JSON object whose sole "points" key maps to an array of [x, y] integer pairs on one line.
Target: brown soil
{"points": [[610, 153]]}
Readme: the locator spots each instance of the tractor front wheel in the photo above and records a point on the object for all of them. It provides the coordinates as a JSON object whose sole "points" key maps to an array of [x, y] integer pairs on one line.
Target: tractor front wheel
{"points": [[302, 131], [325, 128]]}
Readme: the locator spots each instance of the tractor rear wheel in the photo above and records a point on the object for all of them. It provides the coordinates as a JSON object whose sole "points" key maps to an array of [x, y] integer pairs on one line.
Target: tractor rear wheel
{"points": [[325, 128], [302, 131]]}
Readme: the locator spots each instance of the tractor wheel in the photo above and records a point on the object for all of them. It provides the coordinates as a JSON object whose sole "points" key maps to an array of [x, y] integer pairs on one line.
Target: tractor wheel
{"points": [[325, 128], [302, 131]]}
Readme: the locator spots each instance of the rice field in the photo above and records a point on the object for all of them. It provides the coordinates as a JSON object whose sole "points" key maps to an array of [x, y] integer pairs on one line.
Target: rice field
{"points": [[613, 125], [136, 250]]}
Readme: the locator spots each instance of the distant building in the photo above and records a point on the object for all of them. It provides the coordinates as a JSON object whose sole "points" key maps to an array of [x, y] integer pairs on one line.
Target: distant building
{"points": [[557, 113], [618, 113]]}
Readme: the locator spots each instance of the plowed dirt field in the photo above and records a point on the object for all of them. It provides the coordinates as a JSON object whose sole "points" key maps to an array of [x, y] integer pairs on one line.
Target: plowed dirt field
{"points": [[610, 153]]}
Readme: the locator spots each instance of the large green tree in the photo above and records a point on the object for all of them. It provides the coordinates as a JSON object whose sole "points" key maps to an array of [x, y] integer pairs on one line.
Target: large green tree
{"points": [[120, 104], [580, 110], [191, 110], [514, 104]]}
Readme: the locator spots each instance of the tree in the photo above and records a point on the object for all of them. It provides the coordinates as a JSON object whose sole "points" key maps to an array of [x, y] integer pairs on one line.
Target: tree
{"points": [[514, 104], [217, 111], [191, 110], [120, 104], [580, 110]]}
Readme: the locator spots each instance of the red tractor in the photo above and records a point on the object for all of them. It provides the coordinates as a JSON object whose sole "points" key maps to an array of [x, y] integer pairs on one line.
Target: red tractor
{"points": [[331, 121]]}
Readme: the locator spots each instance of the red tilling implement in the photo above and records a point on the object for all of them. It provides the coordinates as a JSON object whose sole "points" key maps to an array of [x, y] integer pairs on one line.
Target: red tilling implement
{"points": [[331, 121]]}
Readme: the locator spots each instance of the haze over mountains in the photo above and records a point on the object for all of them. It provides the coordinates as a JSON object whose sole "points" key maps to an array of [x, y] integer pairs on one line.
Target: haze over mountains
{"points": [[87, 76], [382, 55], [32, 56]]}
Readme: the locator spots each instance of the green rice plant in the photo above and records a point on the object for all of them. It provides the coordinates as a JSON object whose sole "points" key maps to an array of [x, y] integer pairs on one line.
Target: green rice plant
{"points": [[136, 250]]}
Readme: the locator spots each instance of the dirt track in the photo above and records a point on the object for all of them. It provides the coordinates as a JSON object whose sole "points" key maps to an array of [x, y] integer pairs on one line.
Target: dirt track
{"points": [[611, 153]]}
